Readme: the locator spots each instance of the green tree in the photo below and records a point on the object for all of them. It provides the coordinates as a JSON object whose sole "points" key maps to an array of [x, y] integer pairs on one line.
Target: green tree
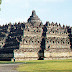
{"points": [[0, 1]]}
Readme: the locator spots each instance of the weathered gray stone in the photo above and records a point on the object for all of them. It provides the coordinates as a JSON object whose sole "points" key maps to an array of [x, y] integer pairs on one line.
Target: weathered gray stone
{"points": [[32, 40]]}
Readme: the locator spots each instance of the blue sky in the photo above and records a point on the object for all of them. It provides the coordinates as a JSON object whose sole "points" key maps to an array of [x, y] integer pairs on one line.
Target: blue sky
{"points": [[59, 11]]}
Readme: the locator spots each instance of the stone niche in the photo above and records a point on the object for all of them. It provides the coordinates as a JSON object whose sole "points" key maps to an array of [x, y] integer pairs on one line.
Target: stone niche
{"points": [[54, 42]]}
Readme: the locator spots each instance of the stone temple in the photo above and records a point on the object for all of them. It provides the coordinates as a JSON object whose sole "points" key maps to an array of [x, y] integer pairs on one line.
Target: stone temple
{"points": [[34, 41]]}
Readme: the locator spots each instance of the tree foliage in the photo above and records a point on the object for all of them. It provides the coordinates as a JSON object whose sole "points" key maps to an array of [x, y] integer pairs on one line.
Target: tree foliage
{"points": [[0, 1]]}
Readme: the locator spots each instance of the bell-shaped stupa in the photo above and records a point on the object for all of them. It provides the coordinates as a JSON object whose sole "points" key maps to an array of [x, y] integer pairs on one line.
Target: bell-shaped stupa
{"points": [[34, 18]]}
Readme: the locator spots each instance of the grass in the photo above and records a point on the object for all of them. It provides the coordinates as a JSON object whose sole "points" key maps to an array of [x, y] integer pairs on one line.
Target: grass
{"points": [[43, 65], [6, 62], [46, 66]]}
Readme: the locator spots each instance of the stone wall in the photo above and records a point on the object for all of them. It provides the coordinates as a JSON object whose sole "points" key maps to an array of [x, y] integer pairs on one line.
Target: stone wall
{"points": [[26, 54], [29, 40], [57, 36], [57, 42], [6, 55], [58, 53]]}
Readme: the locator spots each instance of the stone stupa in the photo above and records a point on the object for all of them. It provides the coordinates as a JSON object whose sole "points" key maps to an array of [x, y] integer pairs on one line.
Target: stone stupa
{"points": [[33, 19]]}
